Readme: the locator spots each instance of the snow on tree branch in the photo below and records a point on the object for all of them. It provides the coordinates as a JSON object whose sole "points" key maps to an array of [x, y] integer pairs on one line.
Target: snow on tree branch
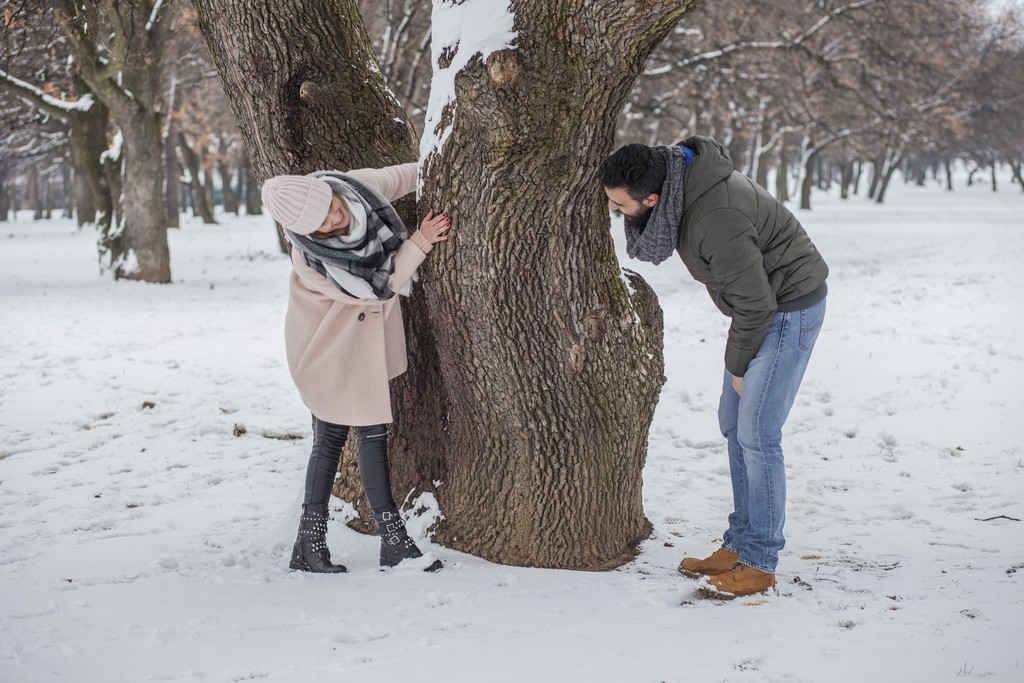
{"points": [[157, 6], [37, 98]]}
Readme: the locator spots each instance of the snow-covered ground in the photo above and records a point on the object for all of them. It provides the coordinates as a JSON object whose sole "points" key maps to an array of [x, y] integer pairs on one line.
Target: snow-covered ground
{"points": [[142, 540]]}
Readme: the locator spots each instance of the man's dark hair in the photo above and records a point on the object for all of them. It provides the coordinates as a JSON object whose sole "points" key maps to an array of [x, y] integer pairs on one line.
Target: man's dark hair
{"points": [[637, 168]]}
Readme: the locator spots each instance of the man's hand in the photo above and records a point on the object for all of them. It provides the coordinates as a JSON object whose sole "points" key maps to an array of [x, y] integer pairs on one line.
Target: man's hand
{"points": [[737, 384]]}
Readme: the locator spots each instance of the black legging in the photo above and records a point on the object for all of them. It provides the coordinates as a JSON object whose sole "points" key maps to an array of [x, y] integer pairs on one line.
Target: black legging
{"points": [[328, 440]]}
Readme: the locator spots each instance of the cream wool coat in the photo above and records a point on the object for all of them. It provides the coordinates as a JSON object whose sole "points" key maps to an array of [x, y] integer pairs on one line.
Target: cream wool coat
{"points": [[343, 351]]}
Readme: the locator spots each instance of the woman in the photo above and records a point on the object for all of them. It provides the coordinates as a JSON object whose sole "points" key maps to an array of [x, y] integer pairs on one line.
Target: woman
{"points": [[344, 338]]}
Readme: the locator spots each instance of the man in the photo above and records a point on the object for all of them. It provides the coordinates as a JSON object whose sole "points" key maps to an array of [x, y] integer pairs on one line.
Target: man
{"points": [[763, 271]]}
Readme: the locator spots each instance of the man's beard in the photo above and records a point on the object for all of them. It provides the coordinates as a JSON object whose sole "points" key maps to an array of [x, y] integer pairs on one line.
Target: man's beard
{"points": [[638, 223]]}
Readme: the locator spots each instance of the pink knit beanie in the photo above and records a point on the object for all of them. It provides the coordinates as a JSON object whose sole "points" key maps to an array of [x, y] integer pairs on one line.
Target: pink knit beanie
{"points": [[299, 203]]}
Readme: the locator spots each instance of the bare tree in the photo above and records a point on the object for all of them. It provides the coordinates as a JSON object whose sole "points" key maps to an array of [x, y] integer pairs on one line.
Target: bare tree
{"points": [[32, 71], [400, 30], [117, 49]]}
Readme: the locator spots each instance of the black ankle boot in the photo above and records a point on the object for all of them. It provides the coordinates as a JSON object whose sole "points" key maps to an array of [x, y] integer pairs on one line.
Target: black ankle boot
{"points": [[395, 544], [310, 553]]}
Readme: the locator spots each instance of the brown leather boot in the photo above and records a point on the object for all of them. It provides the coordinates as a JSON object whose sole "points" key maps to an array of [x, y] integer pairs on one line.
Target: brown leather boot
{"points": [[718, 562], [738, 581]]}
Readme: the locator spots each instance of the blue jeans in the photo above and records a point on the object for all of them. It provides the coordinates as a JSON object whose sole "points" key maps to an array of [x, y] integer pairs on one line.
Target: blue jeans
{"points": [[752, 424]]}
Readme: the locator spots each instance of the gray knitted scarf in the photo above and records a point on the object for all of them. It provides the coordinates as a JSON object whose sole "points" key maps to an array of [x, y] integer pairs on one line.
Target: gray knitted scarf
{"points": [[371, 258], [657, 240]]}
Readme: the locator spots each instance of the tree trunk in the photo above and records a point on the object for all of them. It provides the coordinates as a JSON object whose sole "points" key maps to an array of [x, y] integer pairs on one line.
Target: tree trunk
{"points": [[208, 185], [884, 185], [34, 194], [761, 177], [145, 256], [84, 201], [253, 199], [782, 175], [172, 171], [5, 198], [920, 172], [890, 169], [68, 188], [534, 370], [949, 175], [46, 185], [200, 204], [110, 242], [845, 178], [228, 167], [893, 157], [810, 163], [88, 134], [1016, 167], [877, 169], [970, 176], [227, 177], [994, 187]]}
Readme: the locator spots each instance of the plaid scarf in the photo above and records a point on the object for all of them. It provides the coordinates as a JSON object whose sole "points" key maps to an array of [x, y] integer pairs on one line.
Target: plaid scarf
{"points": [[371, 258], [657, 240]]}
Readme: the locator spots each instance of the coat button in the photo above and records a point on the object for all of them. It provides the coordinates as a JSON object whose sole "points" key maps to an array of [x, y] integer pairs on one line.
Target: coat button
{"points": [[362, 316]]}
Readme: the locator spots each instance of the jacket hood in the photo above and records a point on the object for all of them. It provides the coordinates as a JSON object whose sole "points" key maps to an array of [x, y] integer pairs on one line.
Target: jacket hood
{"points": [[711, 166]]}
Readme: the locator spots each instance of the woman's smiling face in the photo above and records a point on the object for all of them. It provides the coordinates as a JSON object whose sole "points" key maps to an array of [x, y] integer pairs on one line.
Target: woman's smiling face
{"points": [[337, 221]]}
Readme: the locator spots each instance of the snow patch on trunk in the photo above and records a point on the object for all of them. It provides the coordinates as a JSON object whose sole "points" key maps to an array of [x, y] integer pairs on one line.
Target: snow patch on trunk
{"points": [[460, 32]]}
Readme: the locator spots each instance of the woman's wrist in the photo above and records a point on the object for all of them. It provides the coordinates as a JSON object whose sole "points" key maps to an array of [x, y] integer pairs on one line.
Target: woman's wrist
{"points": [[422, 242]]}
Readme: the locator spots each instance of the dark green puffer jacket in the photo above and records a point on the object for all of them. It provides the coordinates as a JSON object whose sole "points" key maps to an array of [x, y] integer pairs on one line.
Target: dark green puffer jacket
{"points": [[747, 248]]}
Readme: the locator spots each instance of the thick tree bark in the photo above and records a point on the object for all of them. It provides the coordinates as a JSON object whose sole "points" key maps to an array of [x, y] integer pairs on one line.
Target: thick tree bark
{"points": [[303, 87], [534, 367], [553, 365]]}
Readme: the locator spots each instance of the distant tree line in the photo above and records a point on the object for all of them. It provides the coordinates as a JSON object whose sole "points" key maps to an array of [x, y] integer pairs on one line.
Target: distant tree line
{"points": [[817, 93], [112, 112]]}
